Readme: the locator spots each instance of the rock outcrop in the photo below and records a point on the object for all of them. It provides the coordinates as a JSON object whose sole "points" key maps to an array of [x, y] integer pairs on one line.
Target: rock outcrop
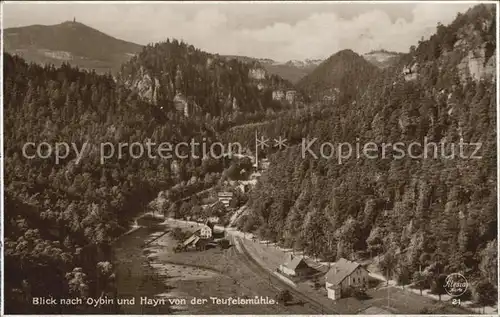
{"points": [[476, 65]]}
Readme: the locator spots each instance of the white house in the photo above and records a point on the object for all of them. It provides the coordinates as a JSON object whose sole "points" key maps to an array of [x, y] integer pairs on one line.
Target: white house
{"points": [[213, 219], [344, 274], [225, 198], [290, 96], [278, 95], [257, 73]]}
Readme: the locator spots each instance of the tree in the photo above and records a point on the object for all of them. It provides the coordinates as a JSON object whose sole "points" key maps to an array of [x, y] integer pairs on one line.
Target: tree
{"points": [[266, 233], [185, 209], [424, 259], [403, 276], [105, 274], [488, 264], [284, 296], [438, 285], [77, 282], [387, 265], [485, 293], [420, 281], [374, 241]]}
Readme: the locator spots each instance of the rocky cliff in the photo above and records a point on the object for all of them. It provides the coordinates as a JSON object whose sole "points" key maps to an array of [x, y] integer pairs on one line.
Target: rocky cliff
{"points": [[434, 210], [168, 72]]}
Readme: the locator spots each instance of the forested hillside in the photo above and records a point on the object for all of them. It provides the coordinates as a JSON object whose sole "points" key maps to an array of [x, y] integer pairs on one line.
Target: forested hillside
{"points": [[439, 214], [172, 73], [69, 42], [341, 77], [60, 217]]}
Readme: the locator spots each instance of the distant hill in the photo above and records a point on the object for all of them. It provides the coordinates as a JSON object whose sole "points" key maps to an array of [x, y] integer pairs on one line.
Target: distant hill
{"points": [[246, 59], [71, 42], [382, 58], [176, 74], [434, 213], [341, 75], [292, 70]]}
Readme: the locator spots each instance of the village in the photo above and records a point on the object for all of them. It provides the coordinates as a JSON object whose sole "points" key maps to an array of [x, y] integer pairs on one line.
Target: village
{"points": [[198, 158], [207, 242]]}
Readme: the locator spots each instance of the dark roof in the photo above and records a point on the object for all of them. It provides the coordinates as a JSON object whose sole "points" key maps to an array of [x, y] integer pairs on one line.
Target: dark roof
{"points": [[192, 239], [209, 224], [340, 270], [294, 262]]}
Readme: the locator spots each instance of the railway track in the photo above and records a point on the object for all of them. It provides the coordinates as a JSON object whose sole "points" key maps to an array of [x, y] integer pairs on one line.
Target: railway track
{"points": [[257, 268]]}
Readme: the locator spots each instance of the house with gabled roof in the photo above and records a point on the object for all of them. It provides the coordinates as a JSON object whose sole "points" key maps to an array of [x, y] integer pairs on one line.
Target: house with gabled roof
{"points": [[225, 198], [206, 230], [200, 237], [295, 266], [343, 275]]}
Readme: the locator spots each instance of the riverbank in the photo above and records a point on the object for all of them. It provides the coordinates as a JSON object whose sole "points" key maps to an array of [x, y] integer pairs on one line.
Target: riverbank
{"points": [[135, 278], [147, 266], [209, 274]]}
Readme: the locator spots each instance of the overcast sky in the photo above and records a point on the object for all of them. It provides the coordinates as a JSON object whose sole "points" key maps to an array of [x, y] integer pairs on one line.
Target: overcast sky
{"points": [[281, 31]]}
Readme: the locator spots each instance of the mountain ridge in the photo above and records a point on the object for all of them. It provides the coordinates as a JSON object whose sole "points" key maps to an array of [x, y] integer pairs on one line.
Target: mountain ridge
{"points": [[45, 44], [427, 216], [171, 72], [291, 70]]}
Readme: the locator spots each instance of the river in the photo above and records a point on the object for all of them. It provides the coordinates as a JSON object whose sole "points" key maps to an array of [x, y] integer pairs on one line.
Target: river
{"points": [[135, 278]]}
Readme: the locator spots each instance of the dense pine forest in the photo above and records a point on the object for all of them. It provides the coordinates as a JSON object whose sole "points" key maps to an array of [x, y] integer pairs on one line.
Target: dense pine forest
{"points": [[435, 215], [342, 75], [215, 85], [420, 218], [61, 217]]}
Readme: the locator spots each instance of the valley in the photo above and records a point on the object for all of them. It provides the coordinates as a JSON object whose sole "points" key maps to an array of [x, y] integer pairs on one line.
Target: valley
{"points": [[265, 229]]}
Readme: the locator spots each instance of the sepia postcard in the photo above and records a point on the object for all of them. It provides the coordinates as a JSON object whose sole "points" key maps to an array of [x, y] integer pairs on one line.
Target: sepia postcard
{"points": [[249, 158]]}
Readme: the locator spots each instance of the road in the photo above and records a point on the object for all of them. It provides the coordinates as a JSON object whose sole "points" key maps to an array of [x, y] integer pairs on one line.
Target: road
{"points": [[194, 194], [258, 269], [236, 215], [235, 236]]}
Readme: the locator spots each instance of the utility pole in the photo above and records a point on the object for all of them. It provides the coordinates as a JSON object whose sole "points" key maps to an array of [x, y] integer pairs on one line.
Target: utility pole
{"points": [[388, 294], [256, 153], [387, 281]]}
